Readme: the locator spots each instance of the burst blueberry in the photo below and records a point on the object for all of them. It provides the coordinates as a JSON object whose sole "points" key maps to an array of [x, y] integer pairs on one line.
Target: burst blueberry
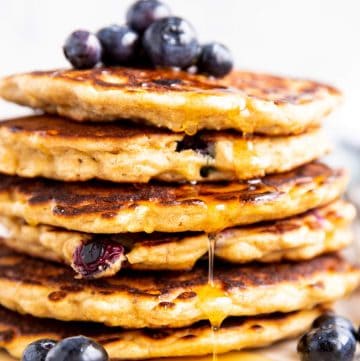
{"points": [[38, 350], [119, 44], [215, 59], [96, 256], [327, 344], [79, 348], [82, 49], [144, 12], [171, 42]]}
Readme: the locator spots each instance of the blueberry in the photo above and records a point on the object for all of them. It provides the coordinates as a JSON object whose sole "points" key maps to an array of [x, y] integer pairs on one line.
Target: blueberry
{"points": [[215, 59], [96, 256], [78, 348], [82, 49], [171, 42], [38, 350], [119, 44], [144, 12], [329, 320], [327, 344]]}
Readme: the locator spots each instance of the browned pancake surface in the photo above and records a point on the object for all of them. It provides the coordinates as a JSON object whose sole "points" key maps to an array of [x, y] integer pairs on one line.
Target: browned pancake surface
{"points": [[257, 85], [100, 197], [33, 271]]}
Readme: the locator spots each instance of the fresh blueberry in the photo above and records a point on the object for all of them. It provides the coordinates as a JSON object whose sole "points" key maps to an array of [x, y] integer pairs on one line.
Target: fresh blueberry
{"points": [[327, 344], [96, 256], [78, 348], [144, 12], [38, 350], [119, 44], [329, 320], [171, 42], [215, 59], [82, 49]]}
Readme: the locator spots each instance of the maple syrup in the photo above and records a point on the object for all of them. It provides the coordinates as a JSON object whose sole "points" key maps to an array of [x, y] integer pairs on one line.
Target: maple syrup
{"points": [[212, 299]]}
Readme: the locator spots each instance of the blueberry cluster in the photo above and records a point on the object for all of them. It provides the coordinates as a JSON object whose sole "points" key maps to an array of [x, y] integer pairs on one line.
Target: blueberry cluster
{"points": [[78, 348], [332, 338], [151, 37]]}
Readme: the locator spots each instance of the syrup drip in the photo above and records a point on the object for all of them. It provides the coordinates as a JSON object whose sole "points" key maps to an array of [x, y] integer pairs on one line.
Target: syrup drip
{"points": [[246, 161], [212, 298]]}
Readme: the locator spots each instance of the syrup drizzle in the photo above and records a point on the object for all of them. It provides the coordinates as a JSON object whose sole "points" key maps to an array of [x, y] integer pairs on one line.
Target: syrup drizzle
{"points": [[213, 300]]}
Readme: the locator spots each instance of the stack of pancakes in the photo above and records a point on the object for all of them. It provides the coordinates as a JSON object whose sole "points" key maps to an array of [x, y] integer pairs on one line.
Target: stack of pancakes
{"points": [[108, 226]]}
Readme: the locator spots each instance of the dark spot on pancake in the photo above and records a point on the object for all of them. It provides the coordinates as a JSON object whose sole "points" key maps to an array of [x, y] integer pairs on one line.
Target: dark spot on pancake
{"points": [[188, 337], [56, 210], [186, 295], [57, 296], [317, 285], [166, 305], [71, 288], [157, 334], [167, 82], [108, 215], [106, 293], [197, 144], [7, 335], [206, 171], [256, 327]]}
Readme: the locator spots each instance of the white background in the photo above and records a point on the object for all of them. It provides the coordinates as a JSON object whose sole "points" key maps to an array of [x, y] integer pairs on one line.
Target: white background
{"points": [[313, 38]]}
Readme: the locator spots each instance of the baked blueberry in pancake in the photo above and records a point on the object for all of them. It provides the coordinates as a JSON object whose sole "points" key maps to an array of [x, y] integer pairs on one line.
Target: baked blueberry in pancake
{"points": [[171, 299], [53, 147], [322, 230]]}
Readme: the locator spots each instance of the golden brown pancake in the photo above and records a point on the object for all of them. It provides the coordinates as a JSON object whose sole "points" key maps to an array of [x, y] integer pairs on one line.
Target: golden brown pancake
{"points": [[316, 232], [245, 101], [99, 207], [171, 299], [56, 148], [17, 331]]}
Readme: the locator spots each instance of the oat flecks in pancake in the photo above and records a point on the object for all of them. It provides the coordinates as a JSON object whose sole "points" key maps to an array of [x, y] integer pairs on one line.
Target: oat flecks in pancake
{"points": [[99, 207], [151, 299], [56, 148], [302, 237], [179, 101], [16, 331]]}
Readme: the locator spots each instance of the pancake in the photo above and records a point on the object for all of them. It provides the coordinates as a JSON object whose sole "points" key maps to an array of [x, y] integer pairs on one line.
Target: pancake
{"points": [[99, 207], [52, 147], [17, 331], [171, 299], [245, 101], [302, 237]]}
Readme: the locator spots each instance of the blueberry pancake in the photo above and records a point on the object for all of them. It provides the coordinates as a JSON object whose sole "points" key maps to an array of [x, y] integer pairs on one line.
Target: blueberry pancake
{"points": [[16, 331], [182, 102], [171, 299], [53, 147], [100, 207], [301, 237]]}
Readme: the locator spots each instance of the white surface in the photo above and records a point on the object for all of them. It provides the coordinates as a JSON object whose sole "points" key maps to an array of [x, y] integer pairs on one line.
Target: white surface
{"points": [[318, 39]]}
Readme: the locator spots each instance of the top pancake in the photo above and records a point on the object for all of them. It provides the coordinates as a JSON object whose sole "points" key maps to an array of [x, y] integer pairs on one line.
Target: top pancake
{"points": [[99, 207], [245, 101]]}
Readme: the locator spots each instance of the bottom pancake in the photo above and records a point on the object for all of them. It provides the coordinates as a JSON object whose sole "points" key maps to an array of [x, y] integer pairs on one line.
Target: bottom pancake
{"points": [[17, 331], [172, 299], [302, 237]]}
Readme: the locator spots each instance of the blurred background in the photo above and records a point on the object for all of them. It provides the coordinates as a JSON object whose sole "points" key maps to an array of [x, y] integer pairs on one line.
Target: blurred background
{"points": [[315, 39]]}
